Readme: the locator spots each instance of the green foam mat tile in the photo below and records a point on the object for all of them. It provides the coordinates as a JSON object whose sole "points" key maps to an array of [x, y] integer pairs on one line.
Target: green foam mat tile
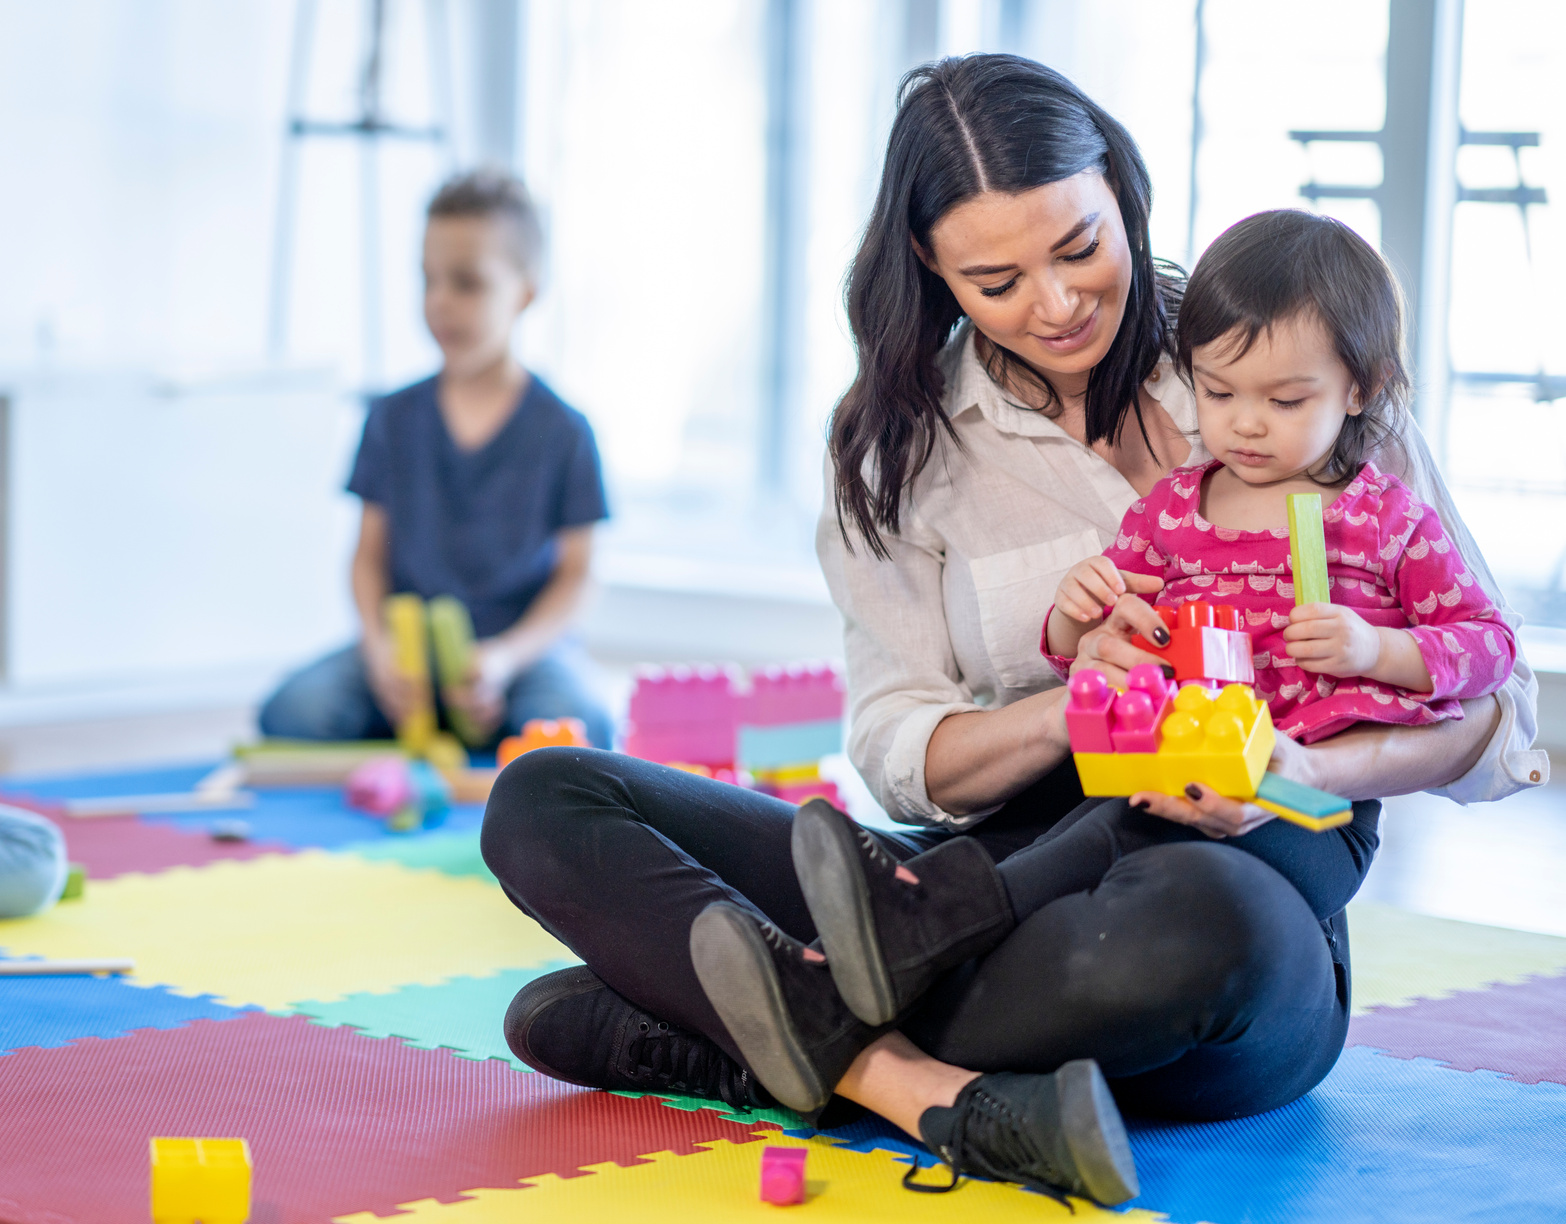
{"points": [[454, 852]]}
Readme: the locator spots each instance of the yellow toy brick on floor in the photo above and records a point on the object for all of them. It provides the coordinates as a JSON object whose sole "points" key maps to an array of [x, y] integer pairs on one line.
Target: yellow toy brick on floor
{"points": [[206, 1180], [723, 1183], [281, 928]]}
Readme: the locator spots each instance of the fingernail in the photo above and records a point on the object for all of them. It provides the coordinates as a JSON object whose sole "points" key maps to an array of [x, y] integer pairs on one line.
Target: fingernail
{"points": [[1193, 791], [1161, 636], [1168, 670]]}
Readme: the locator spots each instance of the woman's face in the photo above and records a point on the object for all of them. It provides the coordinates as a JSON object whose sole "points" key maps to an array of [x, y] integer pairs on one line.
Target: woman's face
{"points": [[1044, 273]]}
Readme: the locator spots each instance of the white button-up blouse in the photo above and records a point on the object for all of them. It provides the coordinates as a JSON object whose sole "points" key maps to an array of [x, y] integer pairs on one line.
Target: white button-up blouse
{"points": [[951, 621]]}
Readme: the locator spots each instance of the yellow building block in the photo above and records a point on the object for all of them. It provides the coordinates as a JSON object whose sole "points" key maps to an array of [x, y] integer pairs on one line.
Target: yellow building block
{"points": [[1223, 742], [408, 624], [206, 1180]]}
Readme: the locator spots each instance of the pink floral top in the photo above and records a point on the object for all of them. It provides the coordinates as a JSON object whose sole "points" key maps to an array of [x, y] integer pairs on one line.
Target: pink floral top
{"points": [[1388, 558]]}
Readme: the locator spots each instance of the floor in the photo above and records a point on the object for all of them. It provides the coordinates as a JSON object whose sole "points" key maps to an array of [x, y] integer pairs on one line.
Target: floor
{"points": [[1500, 864]]}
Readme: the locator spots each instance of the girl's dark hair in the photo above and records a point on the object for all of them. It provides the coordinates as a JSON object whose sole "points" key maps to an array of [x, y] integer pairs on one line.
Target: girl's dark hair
{"points": [[965, 126], [1279, 265]]}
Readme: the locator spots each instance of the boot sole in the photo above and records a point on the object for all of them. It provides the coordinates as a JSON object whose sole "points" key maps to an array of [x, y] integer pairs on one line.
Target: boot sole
{"points": [[831, 875], [1095, 1133], [734, 966]]}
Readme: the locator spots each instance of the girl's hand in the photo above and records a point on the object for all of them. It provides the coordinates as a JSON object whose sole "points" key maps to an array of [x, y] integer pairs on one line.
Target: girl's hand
{"points": [[1095, 584], [1207, 810], [1108, 648], [1332, 639]]}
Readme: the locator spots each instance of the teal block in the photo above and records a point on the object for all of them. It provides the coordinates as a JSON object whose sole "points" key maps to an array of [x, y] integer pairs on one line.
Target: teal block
{"points": [[455, 852], [1298, 797], [791, 744], [463, 1015]]}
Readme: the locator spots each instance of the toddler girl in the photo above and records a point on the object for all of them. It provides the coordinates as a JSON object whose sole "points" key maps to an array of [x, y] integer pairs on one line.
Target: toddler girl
{"points": [[1289, 333]]}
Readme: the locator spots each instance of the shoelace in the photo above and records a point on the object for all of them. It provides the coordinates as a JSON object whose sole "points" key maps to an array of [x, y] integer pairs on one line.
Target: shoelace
{"points": [[999, 1134], [662, 1056], [873, 849]]}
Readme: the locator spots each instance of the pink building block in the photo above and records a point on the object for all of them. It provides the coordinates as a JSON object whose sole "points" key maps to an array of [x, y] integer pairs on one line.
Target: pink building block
{"points": [[797, 694], [380, 786], [783, 1175], [1087, 712], [1139, 712], [684, 714]]}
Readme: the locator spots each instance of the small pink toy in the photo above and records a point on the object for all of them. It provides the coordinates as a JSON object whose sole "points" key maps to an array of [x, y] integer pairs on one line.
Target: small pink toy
{"points": [[783, 1175], [380, 786]]}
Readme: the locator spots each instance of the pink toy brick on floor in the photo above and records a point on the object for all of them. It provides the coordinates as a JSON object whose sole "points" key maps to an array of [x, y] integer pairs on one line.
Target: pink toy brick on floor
{"points": [[781, 695], [380, 787], [783, 1175], [684, 714]]}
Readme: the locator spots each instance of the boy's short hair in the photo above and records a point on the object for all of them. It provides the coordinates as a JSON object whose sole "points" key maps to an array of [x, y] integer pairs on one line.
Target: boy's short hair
{"points": [[501, 197], [1276, 266]]}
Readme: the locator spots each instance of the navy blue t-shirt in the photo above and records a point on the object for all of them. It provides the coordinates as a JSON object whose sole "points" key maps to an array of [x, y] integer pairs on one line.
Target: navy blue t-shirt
{"points": [[479, 525]]}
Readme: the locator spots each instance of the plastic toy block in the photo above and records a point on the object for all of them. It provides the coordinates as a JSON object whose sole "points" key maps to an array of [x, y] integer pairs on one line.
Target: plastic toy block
{"points": [[1223, 742], [1308, 550], [445, 751], [542, 733], [379, 787], [800, 694], [684, 714], [1206, 642], [75, 883], [1100, 720], [802, 792], [206, 1180], [409, 626], [783, 1175], [1301, 804], [431, 793], [451, 631], [774, 747], [1088, 701]]}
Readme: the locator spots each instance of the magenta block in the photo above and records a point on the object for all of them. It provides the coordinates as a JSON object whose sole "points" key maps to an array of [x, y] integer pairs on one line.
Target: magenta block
{"points": [[799, 694], [1136, 722], [1087, 712], [380, 787], [684, 714], [783, 1175]]}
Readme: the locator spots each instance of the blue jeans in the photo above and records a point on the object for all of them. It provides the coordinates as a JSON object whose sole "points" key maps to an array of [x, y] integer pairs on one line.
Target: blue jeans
{"points": [[330, 699], [32, 863]]}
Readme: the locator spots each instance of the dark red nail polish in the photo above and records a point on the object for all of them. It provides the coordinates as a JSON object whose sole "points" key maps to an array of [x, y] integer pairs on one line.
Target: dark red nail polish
{"points": [[1161, 636], [1169, 671], [1193, 791]]}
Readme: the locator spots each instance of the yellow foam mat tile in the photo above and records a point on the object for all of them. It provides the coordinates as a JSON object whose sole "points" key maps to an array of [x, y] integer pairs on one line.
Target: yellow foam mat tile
{"points": [[1398, 956], [722, 1184], [280, 928]]}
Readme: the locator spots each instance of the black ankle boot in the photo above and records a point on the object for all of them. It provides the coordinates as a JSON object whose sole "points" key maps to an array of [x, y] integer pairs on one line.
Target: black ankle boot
{"points": [[778, 1003], [1059, 1134], [888, 940], [572, 1027]]}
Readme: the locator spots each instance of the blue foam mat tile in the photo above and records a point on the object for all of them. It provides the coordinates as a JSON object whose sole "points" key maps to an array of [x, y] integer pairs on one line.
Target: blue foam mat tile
{"points": [[53, 1011], [1379, 1141], [302, 817]]}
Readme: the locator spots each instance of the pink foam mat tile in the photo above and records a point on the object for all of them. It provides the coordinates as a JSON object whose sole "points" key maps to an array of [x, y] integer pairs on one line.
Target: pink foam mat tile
{"points": [[1518, 1030], [109, 846]]}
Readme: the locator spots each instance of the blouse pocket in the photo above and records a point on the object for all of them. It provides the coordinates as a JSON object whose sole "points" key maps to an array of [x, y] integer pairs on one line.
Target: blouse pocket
{"points": [[1015, 589]]}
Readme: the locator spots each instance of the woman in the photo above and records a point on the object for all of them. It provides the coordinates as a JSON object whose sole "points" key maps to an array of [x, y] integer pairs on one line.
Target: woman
{"points": [[970, 470]]}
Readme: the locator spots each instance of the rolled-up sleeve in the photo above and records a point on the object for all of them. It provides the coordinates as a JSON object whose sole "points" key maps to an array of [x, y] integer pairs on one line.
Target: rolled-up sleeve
{"points": [[903, 678], [1510, 762]]}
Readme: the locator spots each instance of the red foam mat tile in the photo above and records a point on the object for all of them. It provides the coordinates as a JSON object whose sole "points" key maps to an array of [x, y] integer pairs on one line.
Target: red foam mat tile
{"points": [[109, 846], [1516, 1029], [338, 1122]]}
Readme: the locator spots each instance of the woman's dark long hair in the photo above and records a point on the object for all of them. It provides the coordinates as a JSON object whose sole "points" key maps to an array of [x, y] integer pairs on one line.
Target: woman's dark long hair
{"points": [[964, 126]]}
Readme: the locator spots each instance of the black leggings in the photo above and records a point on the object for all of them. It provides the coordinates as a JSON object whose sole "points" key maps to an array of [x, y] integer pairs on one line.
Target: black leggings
{"points": [[1194, 971]]}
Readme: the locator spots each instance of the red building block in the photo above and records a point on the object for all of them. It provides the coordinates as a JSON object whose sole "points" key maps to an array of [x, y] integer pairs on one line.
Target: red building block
{"points": [[1205, 643]]}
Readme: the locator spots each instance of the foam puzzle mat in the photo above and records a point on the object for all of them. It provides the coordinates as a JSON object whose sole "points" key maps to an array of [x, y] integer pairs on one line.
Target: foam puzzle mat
{"points": [[334, 994]]}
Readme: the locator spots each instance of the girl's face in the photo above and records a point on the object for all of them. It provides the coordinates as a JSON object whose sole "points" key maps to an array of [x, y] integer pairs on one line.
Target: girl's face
{"points": [[473, 291], [1275, 412], [1044, 273]]}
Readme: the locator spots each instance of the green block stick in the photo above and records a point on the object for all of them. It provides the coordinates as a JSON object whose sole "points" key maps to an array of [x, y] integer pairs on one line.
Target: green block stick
{"points": [[452, 630], [1308, 550]]}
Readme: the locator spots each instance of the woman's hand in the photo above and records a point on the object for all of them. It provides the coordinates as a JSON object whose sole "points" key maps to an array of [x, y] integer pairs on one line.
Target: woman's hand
{"points": [[1205, 809], [1108, 648]]}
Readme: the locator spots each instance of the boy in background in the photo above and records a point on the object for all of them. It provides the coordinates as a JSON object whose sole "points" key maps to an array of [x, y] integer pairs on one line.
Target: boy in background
{"points": [[478, 483]]}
